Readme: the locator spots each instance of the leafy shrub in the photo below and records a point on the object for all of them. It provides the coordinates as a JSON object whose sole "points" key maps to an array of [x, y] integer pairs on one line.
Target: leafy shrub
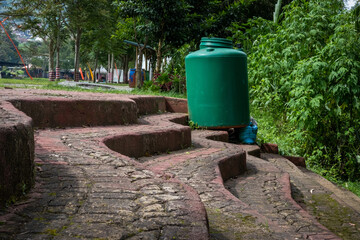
{"points": [[305, 71], [166, 82], [176, 65]]}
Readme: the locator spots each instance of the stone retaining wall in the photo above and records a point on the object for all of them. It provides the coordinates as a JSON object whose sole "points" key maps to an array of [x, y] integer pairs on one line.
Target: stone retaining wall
{"points": [[16, 153], [146, 144], [59, 112], [19, 116], [176, 105]]}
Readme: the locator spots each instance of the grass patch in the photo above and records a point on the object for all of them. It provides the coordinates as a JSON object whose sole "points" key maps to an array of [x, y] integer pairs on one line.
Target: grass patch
{"points": [[351, 186], [272, 129], [41, 83], [25, 81], [165, 94], [114, 84]]}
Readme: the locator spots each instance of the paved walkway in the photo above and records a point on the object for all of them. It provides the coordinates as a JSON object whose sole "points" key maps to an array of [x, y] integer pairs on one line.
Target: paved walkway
{"points": [[91, 184], [90, 85], [84, 190]]}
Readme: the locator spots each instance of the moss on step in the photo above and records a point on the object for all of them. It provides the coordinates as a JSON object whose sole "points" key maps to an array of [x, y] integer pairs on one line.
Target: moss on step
{"points": [[339, 219]]}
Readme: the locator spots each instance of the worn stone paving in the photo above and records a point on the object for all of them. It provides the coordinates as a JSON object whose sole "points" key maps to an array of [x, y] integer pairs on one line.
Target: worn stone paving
{"points": [[229, 218], [263, 207], [207, 190], [273, 200], [333, 207], [86, 191]]}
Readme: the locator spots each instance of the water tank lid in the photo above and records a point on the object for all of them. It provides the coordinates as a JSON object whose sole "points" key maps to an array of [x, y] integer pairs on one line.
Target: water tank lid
{"points": [[215, 43]]}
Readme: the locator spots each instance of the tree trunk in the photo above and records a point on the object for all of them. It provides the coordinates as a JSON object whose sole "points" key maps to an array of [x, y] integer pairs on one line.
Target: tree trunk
{"points": [[138, 82], [126, 69], [118, 72], [159, 56], [136, 57], [108, 68], [112, 68], [96, 60], [138, 68], [164, 64], [43, 69], [99, 74], [146, 65], [51, 60], [277, 11], [57, 75], [77, 57], [136, 64]]}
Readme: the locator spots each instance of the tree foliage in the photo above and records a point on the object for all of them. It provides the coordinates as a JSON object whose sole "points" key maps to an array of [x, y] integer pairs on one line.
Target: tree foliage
{"points": [[306, 70], [7, 50], [162, 22]]}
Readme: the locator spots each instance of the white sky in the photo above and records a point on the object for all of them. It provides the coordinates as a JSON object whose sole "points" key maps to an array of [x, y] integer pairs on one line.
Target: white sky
{"points": [[350, 3]]}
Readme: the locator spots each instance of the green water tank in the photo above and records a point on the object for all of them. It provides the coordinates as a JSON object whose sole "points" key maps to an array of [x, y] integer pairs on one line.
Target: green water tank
{"points": [[217, 85]]}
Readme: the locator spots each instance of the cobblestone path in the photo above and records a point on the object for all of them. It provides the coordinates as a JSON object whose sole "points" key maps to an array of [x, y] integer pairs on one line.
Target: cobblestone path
{"points": [[86, 191]]}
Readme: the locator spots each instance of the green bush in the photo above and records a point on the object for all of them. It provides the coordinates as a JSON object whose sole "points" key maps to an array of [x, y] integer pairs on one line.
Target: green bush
{"points": [[166, 82], [305, 71]]}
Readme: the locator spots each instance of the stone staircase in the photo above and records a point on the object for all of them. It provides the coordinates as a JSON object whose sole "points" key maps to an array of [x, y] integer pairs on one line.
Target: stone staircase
{"points": [[128, 167]]}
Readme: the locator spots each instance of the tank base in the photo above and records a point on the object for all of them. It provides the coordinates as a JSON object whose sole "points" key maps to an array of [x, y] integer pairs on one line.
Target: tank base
{"points": [[224, 127]]}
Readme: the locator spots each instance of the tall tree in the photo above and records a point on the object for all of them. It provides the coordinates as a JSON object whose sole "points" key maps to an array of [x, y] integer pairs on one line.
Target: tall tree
{"points": [[161, 21], [140, 27], [41, 18], [169, 23], [125, 31], [98, 38], [80, 16]]}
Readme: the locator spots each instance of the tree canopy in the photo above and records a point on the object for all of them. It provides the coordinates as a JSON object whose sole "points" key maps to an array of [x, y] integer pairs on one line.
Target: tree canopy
{"points": [[7, 50]]}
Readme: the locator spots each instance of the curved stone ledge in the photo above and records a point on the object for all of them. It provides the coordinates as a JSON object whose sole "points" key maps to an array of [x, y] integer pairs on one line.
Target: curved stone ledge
{"points": [[149, 104], [232, 166], [59, 112], [16, 153], [146, 144], [234, 163], [220, 136], [176, 105]]}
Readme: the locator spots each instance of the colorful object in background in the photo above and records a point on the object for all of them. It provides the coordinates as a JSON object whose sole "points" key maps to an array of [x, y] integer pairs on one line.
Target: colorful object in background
{"points": [[132, 78], [1, 23], [81, 73], [91, 73], [117, 74], [247, 135]]}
